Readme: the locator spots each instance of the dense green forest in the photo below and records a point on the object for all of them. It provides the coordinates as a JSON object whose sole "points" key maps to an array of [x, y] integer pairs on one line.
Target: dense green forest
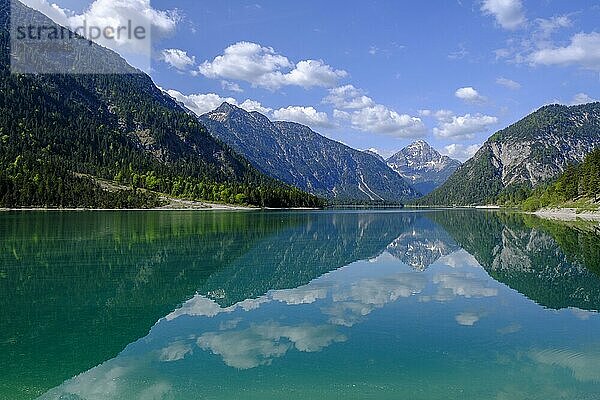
{"points": [[54, 128], [578, 185]]}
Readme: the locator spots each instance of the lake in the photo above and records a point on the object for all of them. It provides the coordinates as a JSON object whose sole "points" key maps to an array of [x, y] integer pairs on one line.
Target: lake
{"points": [[389, 304]]}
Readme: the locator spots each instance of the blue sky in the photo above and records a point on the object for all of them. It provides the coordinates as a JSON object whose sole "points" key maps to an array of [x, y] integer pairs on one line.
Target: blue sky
{"points": [[375, 74]]}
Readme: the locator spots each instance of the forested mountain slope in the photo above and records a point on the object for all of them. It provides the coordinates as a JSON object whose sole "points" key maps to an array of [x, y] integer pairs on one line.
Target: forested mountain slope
{"points": [[579, 186], [537, 148], [121, 127]]}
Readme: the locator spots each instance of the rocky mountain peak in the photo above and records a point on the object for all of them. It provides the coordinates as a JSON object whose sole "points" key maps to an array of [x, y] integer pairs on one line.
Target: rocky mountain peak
{"points": [[418, 152], [226, 108], [225, 112], [423, 166], [228, 111], [420, 145]]}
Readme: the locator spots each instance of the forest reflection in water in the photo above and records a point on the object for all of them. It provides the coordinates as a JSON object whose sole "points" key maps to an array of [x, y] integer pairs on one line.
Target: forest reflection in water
{"points": [[244, 291]]}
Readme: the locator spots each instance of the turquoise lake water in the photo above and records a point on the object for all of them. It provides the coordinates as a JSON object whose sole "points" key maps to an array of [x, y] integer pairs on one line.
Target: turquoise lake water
{"points": [[391, 304]]}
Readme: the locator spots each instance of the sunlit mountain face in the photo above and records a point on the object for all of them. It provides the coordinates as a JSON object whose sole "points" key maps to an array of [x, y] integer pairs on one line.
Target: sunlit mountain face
{"points": [[423, 166], [356, 302]]}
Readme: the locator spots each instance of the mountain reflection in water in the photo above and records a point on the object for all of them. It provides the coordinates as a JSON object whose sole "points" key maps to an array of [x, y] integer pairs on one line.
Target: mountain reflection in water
{"points": [[245, 291]]}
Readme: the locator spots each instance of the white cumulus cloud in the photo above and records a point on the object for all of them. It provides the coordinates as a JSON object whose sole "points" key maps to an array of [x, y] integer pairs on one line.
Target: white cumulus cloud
{"points": [[380, 119], [348, 98], [582, 98], [245, 61], [464, 126], [303, 115], [263, 67], [177, 58], [311, 73], [508, 13], [460, 151], [469, 94], [548, 25], [231, 86], [253, 105], [583, 51], [364, 114], [121, 12]]}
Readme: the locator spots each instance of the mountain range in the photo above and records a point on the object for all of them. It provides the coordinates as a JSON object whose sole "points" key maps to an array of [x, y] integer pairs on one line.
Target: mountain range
{"points": [[526, 154], [81, 129], [422, 166], [298, 156]]}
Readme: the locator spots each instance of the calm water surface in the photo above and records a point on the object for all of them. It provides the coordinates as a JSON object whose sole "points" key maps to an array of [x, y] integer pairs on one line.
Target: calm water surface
{"points": [[298, 305]]}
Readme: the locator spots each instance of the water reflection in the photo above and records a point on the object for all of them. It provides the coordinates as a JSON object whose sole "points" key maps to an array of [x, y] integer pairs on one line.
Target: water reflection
{"points": [[551, 263], [422, 245], [323, 242], [247, 337], [76, 288], [281, 299], [319, 323], [583, 365]]}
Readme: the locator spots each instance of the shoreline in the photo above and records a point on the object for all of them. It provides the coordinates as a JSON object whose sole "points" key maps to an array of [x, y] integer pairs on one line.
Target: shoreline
{"points": [[555, 214], [173, 205], [168, 207], [567, 214], [170, 204], [132, 209]]}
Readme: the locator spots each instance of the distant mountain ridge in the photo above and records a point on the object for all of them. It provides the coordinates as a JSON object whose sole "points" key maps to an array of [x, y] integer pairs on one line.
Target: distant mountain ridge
{"points": [[296, 155], [423, 166], [533, 150]]}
